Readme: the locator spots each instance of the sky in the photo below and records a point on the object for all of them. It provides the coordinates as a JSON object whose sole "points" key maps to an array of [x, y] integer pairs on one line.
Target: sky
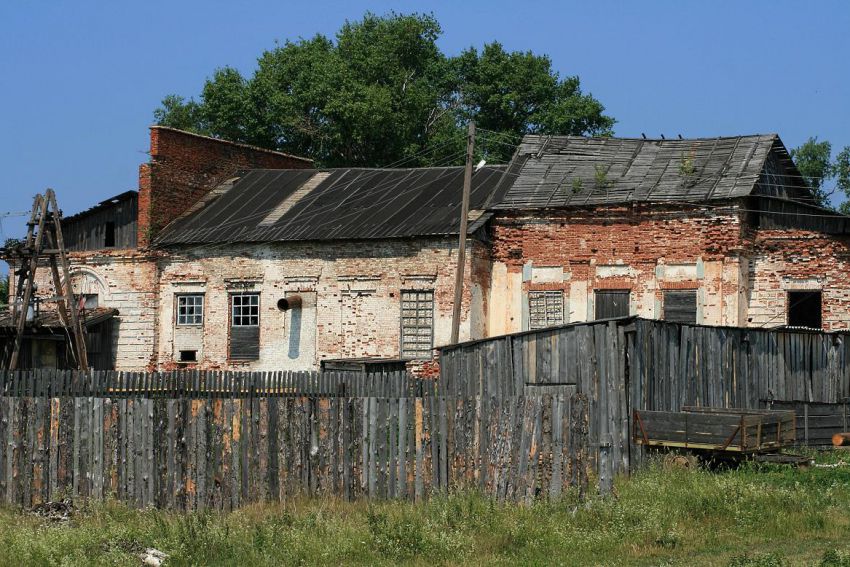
{"points": [[81, 79]]}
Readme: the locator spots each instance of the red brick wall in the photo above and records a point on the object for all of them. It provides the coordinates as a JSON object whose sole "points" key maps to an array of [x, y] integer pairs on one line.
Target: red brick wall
{"points": [[744, 273], [799, 260], [633, 234], [184, 166], [642, 248]]}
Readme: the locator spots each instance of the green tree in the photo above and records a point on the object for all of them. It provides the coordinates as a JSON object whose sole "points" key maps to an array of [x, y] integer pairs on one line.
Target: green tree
{"points": [[177, 112], [4, 290], [382, 91], [824, 174]]}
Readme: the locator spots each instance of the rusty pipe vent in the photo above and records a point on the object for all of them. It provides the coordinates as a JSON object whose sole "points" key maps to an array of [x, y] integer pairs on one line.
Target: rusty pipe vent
{"points": [[290, 302]]}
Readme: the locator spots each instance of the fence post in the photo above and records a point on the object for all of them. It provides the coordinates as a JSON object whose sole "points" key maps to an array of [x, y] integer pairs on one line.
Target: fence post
{"points": [[578, 443]]}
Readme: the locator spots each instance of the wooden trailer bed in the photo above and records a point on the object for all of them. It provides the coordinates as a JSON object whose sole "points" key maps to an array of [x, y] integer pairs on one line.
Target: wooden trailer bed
{"points": [[715, 429]]}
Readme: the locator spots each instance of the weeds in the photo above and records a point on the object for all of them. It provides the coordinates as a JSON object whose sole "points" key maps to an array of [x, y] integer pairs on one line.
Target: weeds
{"points": [[761, 515]]}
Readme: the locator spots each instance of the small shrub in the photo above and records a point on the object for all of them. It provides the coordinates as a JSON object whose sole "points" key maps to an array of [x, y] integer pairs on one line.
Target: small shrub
{"points": [[668, 540], [835, 558], [396, 538], [601, 177], [757, 560], [687, 168]]}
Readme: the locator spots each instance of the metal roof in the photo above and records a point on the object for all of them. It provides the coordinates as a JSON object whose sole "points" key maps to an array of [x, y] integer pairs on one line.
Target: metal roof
{"points": [[105, 204], [336, 204], [50, 319], [557, 171]]}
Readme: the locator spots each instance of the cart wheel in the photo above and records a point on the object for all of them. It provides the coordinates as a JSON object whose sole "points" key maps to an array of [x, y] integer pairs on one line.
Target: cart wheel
{"points": [[680, 462]]}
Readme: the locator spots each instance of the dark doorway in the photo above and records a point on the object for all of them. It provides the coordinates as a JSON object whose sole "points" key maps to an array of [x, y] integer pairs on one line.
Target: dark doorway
{"points": [[109, 235], [804, 309]]}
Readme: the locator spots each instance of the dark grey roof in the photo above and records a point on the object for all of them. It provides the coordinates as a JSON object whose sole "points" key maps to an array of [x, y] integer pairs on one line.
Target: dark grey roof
{"points": [[105, 204], [50, 319], [556, 171], [305, 204]]}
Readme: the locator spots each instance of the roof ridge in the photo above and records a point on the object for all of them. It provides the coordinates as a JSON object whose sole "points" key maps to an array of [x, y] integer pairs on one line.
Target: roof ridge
{"points": [[647, 139]]}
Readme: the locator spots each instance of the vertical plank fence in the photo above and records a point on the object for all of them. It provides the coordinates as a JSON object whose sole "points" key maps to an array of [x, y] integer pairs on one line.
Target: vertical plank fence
{"points": [[632, 363], [219, 440]]}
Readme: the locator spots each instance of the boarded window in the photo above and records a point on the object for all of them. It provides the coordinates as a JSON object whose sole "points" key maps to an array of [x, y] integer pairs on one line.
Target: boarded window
{"points": [[612, 303], [545, 309], [245, 326], [804, 309], [680, 306], [190, 309], [417, 323]]}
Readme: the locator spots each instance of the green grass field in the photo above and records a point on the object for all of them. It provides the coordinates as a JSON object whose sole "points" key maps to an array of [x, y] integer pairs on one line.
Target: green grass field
{"points": [[754, 515]]}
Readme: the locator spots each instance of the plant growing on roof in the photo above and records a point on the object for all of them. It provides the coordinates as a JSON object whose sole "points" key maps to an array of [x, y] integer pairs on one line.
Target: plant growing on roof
{"points": [[687, 168], [577, 185], [601, 176]]}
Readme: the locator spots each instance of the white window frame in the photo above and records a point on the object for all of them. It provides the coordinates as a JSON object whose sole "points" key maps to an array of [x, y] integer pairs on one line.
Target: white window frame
{"points": [[245, 309], [187, 319]]}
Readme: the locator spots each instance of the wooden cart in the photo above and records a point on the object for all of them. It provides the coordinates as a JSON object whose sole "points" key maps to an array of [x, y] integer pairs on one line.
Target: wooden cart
{"points": [[716, 429]]}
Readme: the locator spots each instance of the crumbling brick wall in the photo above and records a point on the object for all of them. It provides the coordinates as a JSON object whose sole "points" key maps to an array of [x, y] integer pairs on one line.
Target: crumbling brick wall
{"points": [[123, 280], [798, 260], [354, 297], [184, 166], [644, 249], [742, 274]]}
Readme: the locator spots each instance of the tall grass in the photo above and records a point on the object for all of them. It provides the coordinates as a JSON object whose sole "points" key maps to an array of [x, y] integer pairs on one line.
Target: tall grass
{"points": [[754, 515]]}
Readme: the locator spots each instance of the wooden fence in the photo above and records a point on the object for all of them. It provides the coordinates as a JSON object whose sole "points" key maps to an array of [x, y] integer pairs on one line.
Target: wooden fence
{"points": [[631, 363], [496, 420], [218, 440], [588, 359]]}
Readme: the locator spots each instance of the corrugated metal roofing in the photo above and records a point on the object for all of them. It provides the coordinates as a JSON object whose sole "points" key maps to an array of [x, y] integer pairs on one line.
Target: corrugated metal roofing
{"points": [[347, 204], [557, 171], [49, 319]]}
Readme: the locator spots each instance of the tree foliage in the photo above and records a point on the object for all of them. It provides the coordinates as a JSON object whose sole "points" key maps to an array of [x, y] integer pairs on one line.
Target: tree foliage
{"points": [[4, 290], [382, 91], [824, 174]]}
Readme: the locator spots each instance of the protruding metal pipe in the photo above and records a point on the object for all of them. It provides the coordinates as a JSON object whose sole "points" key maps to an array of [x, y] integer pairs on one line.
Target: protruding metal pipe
{"points": [[289, 302]]}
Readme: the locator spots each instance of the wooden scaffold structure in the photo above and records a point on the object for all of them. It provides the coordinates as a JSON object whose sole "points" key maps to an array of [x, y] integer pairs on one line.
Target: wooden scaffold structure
{"points": [[44, 241]]}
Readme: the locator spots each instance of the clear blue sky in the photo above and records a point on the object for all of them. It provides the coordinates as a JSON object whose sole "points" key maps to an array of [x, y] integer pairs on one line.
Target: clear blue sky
{"points": [[81, 79]]}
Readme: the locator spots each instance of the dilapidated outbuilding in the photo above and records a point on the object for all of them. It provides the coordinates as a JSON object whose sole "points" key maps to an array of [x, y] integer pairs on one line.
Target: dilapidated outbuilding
{"points": [[718, 231], [47, 342]]}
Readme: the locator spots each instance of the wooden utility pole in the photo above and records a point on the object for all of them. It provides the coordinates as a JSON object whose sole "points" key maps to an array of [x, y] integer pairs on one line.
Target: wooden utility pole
{"points": [[464, 220], [44, 227]]}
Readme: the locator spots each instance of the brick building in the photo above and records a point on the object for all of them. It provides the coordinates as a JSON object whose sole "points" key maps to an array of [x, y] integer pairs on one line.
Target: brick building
{"points": [[281, 269], [719, 231], [235, 257], [112, 262]]}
